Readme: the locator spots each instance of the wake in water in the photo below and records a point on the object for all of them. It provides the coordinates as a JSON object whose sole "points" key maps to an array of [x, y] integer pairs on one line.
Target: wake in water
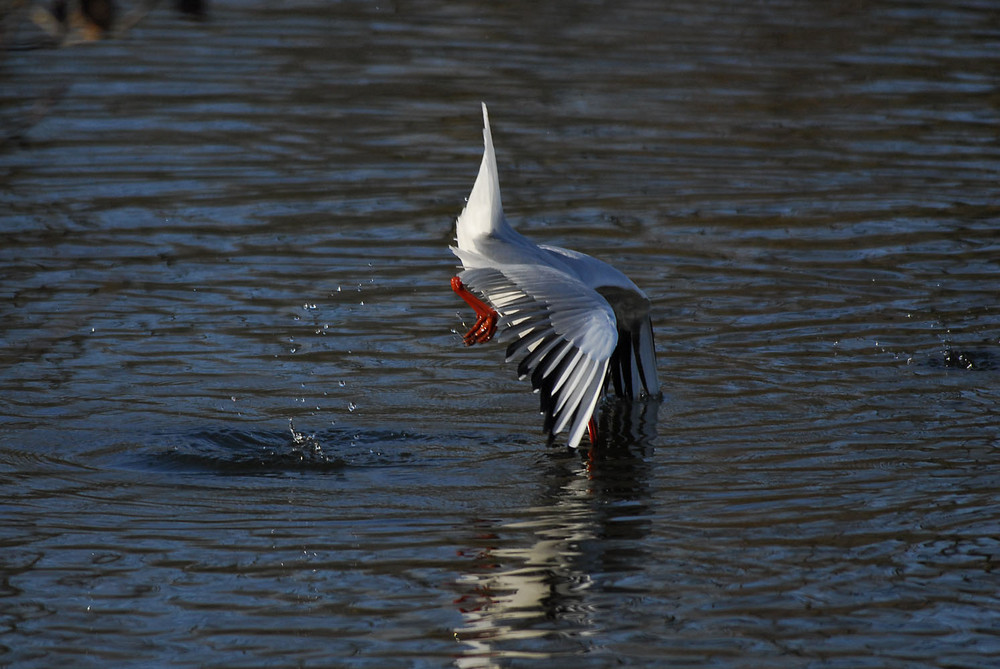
{"points": [[226, 451]]}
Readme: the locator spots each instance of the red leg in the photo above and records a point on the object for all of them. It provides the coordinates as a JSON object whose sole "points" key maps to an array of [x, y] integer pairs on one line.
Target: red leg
{"points": [[592, 431], [486, 316], [592, 451]]}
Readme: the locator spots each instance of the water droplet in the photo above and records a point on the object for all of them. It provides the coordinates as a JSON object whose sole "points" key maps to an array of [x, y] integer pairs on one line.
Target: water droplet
{"points": [[343, 383], [351, 406]]}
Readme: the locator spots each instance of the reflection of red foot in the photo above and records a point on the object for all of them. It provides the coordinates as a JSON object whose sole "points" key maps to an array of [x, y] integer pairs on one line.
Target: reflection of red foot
{"points": [[592, 431], [486, 316]]}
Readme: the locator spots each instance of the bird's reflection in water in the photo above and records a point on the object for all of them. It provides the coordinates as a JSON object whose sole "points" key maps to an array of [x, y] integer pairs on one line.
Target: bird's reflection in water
{"points": [[534, 587]]}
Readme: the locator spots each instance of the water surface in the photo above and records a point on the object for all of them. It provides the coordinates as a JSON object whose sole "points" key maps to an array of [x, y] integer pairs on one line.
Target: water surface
{"points": [[238, 426]]}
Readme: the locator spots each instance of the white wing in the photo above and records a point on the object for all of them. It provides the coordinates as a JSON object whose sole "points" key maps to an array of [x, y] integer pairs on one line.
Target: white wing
{"points": [[565, 331]]}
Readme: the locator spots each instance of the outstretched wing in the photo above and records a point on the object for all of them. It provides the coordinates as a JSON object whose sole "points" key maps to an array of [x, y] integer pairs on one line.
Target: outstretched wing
{"points": [[633, 363], [565, 331]]}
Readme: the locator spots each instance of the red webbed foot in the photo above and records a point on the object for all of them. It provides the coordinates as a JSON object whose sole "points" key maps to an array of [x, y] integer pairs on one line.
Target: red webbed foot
{"points": [[486, 316]]}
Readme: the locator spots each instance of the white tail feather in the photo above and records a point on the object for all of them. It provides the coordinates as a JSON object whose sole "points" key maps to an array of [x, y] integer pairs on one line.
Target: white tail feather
{"points": [[483, 214]]}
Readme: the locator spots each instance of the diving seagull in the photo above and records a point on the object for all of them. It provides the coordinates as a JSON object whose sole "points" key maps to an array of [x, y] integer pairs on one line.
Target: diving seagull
{"points": [[576, 324]]}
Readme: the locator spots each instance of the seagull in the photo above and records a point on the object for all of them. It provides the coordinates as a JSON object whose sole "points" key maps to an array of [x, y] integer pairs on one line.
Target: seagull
{"points": [[576, 323]]}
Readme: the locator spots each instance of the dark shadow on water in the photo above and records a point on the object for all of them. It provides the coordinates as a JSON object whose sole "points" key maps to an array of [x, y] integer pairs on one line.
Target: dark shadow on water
{"points": [[232, 452], [626, 430], [625, 425], [970, 359]]}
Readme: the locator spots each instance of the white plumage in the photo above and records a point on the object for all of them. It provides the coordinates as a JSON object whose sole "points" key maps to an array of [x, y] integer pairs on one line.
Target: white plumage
{"points": [[576, 322]]}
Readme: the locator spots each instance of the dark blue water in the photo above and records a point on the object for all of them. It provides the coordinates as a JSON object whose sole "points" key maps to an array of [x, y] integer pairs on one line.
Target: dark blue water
{"points": [[238, 426]]}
